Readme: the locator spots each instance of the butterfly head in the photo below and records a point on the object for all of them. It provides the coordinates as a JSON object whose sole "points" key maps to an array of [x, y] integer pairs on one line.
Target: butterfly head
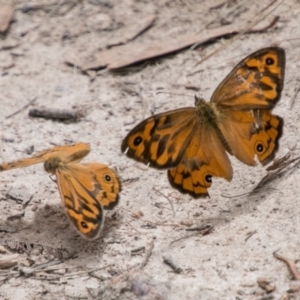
{"points": [[199, 101], [51, 164]]}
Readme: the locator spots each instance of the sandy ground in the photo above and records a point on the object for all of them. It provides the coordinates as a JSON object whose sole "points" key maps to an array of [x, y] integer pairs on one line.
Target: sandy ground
{"points": [[224, 263]]}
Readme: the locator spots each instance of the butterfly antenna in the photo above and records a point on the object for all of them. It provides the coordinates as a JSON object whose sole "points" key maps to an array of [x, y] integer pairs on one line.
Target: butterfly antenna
{"points": [[174, 94]]}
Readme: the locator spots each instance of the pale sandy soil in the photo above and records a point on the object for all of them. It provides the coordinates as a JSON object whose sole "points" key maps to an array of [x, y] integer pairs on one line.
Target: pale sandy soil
{"points": [[224, 264]]}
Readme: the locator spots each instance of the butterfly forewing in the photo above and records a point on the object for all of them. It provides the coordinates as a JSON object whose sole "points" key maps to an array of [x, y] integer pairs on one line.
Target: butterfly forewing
{"points": [[65, 153], [256, 82], [161, 140], [68, 153]]}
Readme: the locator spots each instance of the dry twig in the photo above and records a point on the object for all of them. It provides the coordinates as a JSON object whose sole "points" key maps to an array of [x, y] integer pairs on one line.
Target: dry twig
{"points": [[205, 230], [170, 201], [22, 108], [291, 265], [148, 254]]}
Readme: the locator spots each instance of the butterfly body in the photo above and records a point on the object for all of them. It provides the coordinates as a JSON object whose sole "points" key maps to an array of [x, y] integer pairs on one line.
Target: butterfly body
{"points": [[192, 142], [85, 189]]}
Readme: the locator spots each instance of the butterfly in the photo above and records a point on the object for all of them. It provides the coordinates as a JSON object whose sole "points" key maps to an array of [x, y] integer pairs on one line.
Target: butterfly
{"points": [[192, 142], [85, 188]]}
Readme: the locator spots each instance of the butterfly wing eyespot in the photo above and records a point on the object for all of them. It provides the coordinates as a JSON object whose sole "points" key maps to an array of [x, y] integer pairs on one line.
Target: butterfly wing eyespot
{"points": [[107, 178], [269, 61], [83, 225], [208, 178], [137, 141], [259, 147]]}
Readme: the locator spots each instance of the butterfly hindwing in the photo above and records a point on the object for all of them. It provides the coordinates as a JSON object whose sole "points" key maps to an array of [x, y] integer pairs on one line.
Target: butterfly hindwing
{"points": [[252, 135], [109, 183], [205, 157]]}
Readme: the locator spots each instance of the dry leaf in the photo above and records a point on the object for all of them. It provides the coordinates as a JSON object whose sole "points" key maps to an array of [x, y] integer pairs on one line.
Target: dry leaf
{"points": [[122, 56], [6, 15]]}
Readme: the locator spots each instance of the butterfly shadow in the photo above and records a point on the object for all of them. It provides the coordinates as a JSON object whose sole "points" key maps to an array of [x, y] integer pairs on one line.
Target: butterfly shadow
{"points": [[47, 224], [51, 229]]}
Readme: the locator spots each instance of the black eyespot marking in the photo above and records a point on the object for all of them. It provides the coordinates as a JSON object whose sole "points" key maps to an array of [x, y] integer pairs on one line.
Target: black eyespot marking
{"points": [[137, 141], [84, 225], [107, 178], [270, 61], [208, 178], [259, 148]]}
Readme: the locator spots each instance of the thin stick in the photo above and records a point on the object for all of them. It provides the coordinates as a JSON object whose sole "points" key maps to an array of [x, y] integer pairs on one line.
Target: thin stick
{"points": [[205, 231], [149, 252], [91, 273], [199, 228], [16, 216], [136, 250], [171, 203], [22, 108], [250, 234], [133, 227]]}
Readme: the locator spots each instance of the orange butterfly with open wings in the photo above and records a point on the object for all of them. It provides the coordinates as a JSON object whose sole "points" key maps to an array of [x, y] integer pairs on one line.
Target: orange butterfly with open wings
{"points": [[192, 142], [85, 189]]}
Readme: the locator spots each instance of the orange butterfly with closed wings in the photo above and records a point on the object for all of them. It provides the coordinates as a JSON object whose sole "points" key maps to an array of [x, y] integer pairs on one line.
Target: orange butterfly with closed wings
{"points": [[85, 188], [192, 142]]}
